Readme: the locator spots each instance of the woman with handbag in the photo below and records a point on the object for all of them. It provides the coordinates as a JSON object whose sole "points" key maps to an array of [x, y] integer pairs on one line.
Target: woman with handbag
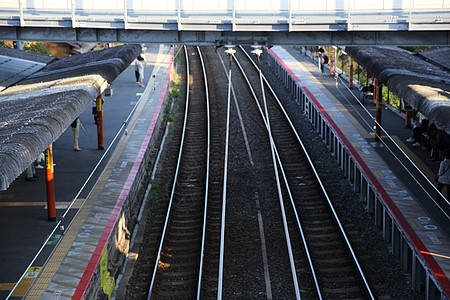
{"points": [[443, 177]]}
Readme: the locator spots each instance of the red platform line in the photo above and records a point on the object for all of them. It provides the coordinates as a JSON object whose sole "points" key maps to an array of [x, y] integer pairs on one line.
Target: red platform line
{"points": [[431, 262], [95, 259], [285, 66]]}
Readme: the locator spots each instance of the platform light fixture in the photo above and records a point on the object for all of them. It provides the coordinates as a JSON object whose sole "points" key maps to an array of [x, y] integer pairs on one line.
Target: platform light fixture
{"points": [[230, 49], [256, 49]]}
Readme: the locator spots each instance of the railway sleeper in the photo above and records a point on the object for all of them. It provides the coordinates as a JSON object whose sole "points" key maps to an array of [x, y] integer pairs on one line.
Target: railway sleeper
{"points": [[333, 252], [182, 219], [318, 228], [343, 291], [172, 265], [183, 255], [332, 272], [189, 275], [172, 294], [177, 232], [187, 240]]}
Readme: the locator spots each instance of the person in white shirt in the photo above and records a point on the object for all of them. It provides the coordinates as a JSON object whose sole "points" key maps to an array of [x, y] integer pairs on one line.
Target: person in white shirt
{"points": [[140, 66]]}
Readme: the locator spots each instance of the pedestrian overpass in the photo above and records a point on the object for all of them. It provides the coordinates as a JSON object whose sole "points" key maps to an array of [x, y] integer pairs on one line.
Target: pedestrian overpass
{"points": [[216, 22]]}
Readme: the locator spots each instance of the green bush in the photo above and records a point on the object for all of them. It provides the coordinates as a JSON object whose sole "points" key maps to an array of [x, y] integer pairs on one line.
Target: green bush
{"points": [[35, 47]]}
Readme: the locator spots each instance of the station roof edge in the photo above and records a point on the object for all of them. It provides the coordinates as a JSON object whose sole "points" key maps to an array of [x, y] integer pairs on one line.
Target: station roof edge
{"points": [[422, 83], [38, 109]]}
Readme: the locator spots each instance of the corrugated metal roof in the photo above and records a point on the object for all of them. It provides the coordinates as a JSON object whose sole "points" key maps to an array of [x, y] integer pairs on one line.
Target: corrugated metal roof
{"points": [[15, 69], [36, 111]]}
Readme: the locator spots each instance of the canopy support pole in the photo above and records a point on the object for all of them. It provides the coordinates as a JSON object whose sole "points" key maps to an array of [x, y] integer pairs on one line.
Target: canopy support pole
{"points": [[99, 101], [50, 184]]}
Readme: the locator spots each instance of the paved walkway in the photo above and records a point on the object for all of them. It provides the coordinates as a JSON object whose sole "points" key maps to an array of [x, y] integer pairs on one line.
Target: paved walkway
{"points": [[409, 199], [394, 123]]}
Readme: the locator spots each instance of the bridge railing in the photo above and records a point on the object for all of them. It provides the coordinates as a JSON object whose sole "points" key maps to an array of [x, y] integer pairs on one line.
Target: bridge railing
{"points": [[230, 15]]}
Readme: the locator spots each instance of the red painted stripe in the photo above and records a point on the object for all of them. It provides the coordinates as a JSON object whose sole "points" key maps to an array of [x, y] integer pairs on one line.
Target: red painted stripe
{"points": [[285, 66], [95, 259], [418, 244]]}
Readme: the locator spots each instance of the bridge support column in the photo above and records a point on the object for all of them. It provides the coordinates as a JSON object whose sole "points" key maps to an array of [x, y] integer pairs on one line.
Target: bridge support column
{"points": [[51, 206], [379, 109], [99, 102], [350, 81]]}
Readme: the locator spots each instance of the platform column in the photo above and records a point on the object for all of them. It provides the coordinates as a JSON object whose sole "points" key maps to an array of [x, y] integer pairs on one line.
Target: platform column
{"points": [[332, 60], [350, 82], [99, 102], [50, 184], [408, 115], [379, 108], [375, 90]]}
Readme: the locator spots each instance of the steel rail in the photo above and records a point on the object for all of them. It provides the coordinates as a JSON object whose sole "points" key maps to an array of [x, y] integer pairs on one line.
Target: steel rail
{"points": [[288, 188], [224, 194], [208, 148], [158, 256], [280, 193], [350, 248], [264, 116]]}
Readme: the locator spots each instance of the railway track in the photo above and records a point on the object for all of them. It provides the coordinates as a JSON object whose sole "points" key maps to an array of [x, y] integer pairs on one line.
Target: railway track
{"points": [[179, 258], [263, 253], [334, 271]]}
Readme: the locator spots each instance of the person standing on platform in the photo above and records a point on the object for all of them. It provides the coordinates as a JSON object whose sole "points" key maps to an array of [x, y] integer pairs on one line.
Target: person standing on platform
{"points": [[76, 124], [323, 60], [140, 65], [31, 173], [136, 71], [443, 177], [440, 145]]}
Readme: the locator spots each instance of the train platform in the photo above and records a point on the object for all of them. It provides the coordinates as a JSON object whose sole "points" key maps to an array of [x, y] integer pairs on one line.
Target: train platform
{"points": [[51, 262], [399, 196]]}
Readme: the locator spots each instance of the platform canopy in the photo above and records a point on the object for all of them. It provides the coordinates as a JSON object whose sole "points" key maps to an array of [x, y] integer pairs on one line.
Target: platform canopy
{"points": [[422, 80], [37, 109]]}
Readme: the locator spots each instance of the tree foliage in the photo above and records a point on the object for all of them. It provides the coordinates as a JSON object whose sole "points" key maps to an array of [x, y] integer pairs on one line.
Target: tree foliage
{"points": [[28, 46]]}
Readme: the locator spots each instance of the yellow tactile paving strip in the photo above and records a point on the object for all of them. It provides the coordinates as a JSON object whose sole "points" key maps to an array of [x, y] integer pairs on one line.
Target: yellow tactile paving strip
{"points": [[59, 205], [56, 260], [61, 275], [415, 221]]}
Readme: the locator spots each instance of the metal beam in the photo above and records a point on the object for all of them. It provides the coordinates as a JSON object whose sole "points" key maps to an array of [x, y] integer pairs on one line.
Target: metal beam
{"points": [[201, 37]]}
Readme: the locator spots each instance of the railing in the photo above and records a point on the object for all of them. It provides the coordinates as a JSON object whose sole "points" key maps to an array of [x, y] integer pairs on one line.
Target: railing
{"points": [[230, 15]]}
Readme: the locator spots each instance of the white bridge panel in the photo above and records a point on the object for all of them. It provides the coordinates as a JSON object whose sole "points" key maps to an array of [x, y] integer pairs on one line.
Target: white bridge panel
{"points": [[152, 5], [320, 5], [262, 5], [100, 5], [43, 4], [205, 5], [245, 17], [225, 6]]}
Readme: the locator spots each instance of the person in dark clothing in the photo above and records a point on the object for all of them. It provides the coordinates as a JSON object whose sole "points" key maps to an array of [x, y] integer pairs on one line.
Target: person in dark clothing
{"points": [[441, 144], [418, 131], [429, 138], [323, 60]]}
